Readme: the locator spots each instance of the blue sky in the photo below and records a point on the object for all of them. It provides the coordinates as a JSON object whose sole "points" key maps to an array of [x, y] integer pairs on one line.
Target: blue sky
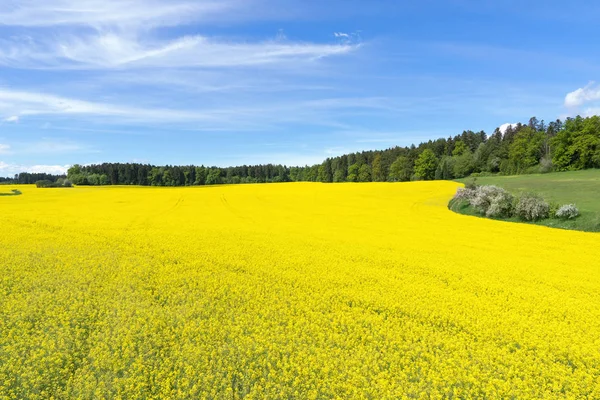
{"points": [[233, 82]]}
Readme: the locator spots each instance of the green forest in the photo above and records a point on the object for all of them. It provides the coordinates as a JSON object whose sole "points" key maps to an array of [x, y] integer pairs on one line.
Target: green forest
{"points": [[533, 147]]}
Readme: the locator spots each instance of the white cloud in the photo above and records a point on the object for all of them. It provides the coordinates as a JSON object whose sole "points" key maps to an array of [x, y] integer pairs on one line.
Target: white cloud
{"points": [[113, 50], [12, 118], [46, 147], [7, 169], [379, 103], [33, 103], [100, 13], [589, 112], [341, 35], [209, 81], [49, 169], [348, 38], [582, 95], [52, 147], [259, 116], [122, 36], [504, 127], [106, 39]]}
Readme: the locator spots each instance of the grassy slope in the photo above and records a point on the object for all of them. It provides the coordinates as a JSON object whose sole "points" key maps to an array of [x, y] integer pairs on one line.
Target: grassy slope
{"points": [[579, 187]]}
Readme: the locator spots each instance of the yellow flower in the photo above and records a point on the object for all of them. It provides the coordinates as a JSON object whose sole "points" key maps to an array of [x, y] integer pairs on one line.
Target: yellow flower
{"points": [[289, 291]]}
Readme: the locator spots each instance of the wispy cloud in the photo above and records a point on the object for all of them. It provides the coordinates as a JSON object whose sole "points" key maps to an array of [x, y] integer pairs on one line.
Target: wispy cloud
{"points": [[45, 147], [12, 118], [210, 81], [260, 116], [348, 38], [99, 13], [96, 34], [116, 51], [380, 139], [53, 147], [4, 148], [33, 103], [381, 103], [94, 51]]}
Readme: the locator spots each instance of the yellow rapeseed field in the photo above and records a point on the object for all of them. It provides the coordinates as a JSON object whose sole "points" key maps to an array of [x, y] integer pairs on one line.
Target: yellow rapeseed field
{"points": [[301, 290]]}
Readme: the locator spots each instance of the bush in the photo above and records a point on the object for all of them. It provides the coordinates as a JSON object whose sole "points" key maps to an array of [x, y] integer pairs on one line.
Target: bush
{"points": [[63, 182], [553, 209], [49, 184], [534, 169], [493, 164], [492, 201], [464, 194], [44, 183], [567, 211], [481, 174], [531, 207], [472, 184], [463, 164], [546, 165], [501, 206], [495, 202], [596, 159]]}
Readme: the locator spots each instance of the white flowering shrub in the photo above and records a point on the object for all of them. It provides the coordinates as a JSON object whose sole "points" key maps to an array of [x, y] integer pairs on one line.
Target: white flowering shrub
{"points": [[501, 206], [492, 201], [464, 194], [532, 208], [567, 211], [495, 202]]}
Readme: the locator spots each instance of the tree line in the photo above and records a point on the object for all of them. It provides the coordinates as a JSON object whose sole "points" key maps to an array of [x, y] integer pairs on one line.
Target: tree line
{"points": [[26, 178], [175, 175], [533, 147]]}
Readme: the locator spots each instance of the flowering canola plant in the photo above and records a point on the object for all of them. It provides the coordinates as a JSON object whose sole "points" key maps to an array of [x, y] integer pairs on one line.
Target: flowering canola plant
{"points": [[298, 290]]}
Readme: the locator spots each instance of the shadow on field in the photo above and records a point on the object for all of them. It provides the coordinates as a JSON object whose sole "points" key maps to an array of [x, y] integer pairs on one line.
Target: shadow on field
{"points": [[13, 192]]}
